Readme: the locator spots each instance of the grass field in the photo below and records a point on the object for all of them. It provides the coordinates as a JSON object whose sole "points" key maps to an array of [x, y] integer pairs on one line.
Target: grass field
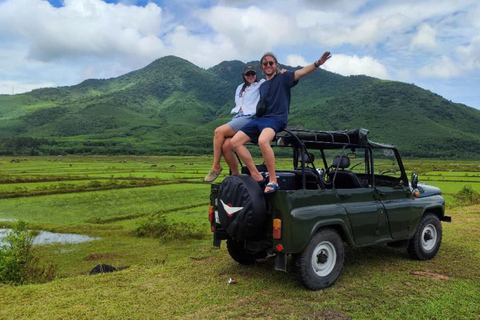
{"points": [[109, 197]]}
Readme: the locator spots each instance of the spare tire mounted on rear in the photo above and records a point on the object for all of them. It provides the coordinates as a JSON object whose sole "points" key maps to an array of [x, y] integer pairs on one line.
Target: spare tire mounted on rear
{"points": [[241, 207]]}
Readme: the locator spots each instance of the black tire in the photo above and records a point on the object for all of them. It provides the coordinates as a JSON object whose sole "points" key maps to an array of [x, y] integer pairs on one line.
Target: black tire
{"points": [[322, 261], [427, 238], [237, 251], [241, 208]]}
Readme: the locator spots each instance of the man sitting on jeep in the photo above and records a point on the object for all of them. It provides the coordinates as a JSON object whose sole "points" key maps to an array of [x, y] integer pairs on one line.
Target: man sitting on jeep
{"points": [[262, 130]]}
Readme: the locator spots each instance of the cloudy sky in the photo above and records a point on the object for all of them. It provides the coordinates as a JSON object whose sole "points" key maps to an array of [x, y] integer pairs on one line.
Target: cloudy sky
{"points": [[434, 44]]}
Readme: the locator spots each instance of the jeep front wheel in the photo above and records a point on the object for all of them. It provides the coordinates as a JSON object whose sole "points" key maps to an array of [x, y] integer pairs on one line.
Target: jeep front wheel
{"points": [[427, 238], [322, 261]]}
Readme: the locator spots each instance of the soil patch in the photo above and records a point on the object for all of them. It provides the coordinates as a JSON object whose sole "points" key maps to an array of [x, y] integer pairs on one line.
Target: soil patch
{"points": [[429, 274]]}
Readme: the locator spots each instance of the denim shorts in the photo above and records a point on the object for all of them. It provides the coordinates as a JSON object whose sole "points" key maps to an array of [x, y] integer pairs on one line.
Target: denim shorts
{"points": [[239, 120]]}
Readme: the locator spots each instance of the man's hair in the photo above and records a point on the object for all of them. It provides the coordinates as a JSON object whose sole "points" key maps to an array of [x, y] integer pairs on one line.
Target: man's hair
{"points": [[269, 54], [277, 70]]}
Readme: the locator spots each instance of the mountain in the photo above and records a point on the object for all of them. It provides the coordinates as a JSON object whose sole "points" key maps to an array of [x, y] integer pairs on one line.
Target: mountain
{"points": [[172, 107]]}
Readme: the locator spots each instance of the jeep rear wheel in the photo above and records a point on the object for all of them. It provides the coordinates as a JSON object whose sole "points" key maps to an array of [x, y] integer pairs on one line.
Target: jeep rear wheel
{"points": [[322, 261], [237, 251], [427, 238]]}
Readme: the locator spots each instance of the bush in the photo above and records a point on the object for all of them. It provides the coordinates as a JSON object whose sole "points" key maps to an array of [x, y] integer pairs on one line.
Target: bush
{"points": [[467, 196], [157, 226], [18, 263]]}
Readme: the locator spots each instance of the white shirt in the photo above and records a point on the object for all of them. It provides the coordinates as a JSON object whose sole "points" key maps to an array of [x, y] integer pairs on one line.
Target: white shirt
{"points": [[249, 99]]}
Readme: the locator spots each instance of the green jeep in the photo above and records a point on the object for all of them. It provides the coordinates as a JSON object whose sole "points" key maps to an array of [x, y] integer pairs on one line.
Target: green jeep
{"points": [[341, 188]]}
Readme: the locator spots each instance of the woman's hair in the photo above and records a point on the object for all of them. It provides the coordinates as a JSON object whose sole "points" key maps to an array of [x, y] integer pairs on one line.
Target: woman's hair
{"points": [[274, 58], [246, 84]]}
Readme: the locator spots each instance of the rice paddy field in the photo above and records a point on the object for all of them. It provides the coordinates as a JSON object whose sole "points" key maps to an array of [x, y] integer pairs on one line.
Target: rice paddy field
{"points": [[108, 198]]}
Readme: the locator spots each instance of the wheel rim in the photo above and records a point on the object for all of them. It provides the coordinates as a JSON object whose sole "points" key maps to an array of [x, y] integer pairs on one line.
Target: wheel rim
{"points": [[324, 258], [429, 237]]}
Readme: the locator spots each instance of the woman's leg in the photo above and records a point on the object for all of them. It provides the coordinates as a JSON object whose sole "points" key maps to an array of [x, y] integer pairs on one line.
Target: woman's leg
{"points": [[229, 156], [221, 133]]}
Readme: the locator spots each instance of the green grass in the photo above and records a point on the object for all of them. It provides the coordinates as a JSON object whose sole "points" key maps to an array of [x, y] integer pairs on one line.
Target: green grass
{"points": [[188, 279]]}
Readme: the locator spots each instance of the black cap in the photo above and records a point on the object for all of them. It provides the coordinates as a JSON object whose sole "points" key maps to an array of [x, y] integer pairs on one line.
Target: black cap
{"points": [[249, 67]]}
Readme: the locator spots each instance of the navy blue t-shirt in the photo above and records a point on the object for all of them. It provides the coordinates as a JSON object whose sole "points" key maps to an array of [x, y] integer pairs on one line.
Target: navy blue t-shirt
{"points": [[277, 93]]}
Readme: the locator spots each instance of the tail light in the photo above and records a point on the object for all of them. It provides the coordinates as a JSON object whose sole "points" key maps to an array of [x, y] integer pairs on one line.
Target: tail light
{"points": [[277, 229], [210, 213]]}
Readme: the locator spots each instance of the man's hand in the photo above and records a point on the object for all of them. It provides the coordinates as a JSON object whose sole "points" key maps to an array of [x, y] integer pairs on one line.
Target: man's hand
{"points": [[323, 59], [312, 67]]}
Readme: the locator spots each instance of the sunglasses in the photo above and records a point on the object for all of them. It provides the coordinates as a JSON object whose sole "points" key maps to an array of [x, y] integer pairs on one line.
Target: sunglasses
{"points": [[268, 63], [250, 73]]}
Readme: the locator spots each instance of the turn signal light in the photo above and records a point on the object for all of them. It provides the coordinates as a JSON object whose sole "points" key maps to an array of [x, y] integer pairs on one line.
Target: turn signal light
{"points": [[277, 229]]}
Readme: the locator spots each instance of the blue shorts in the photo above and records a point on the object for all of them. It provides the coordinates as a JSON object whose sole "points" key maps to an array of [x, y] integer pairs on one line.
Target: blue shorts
{"points": [[256, 126], [239, 120]]}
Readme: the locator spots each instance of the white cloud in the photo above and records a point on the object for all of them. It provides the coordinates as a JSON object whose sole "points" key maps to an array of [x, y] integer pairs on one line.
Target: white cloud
{"points": [[295, 60], [251, 29], [444, 68], [81, 38], [425, 38], [354, 65], [89, 27], [14, 87], [202, 51], [415, 40], [469, 55]]}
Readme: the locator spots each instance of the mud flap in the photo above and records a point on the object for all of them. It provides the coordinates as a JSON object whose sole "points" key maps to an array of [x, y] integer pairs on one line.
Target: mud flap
{"points": [[281, 262], [216, 241]]}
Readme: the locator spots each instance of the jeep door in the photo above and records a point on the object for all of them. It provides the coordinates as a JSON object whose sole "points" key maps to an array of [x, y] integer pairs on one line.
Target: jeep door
{"points": [[391, 189], [366, 215], [365, 212]]}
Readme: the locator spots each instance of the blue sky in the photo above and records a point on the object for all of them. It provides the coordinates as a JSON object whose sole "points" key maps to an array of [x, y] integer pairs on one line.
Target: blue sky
{"points": [[434, 44]]}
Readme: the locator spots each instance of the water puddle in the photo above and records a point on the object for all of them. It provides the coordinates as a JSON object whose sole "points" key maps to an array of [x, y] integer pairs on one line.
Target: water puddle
{"points": [[46, 237]]}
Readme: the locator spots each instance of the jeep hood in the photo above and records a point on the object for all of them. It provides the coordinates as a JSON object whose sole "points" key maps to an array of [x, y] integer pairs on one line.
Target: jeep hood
{"points": [[428, 190]]}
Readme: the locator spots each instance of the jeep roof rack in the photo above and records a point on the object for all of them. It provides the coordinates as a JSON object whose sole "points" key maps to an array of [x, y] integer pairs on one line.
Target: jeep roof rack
{"points": [[315, 138]]}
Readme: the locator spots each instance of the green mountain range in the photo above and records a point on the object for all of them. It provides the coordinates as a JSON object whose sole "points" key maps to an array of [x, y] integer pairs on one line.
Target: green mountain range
{"points": [[172, 107]]}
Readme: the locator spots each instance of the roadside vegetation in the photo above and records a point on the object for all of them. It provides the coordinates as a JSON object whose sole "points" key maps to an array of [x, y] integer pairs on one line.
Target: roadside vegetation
{"points": [[149, 216], [19, 263]]}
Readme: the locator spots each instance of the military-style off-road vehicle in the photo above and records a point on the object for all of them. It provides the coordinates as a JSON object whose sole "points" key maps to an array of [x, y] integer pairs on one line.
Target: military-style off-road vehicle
{"points": [[356, 192]]}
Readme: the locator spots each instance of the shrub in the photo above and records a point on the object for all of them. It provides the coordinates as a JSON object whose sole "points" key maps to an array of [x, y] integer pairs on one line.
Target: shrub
{"points": [[157, 226], [467, 196], [18, 263]]}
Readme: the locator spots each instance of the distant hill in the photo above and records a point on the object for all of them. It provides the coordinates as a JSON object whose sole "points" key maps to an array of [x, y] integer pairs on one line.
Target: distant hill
{"points": [[172, 107]]}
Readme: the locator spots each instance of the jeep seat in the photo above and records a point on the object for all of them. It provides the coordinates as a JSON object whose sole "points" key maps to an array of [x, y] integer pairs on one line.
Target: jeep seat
{"points": [[343, 178], [313, 178]]}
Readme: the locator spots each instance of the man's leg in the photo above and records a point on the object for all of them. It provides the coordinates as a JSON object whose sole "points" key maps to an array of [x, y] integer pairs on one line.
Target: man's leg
{"points": [[238, 143], [264, 140], [229, 156]]}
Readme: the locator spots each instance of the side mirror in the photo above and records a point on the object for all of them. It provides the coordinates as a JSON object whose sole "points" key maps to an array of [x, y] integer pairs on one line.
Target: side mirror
{"points": [[414, 180]]}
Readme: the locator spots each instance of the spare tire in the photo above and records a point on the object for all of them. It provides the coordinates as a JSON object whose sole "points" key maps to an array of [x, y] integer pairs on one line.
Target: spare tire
{"points": [[241, 207]]}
